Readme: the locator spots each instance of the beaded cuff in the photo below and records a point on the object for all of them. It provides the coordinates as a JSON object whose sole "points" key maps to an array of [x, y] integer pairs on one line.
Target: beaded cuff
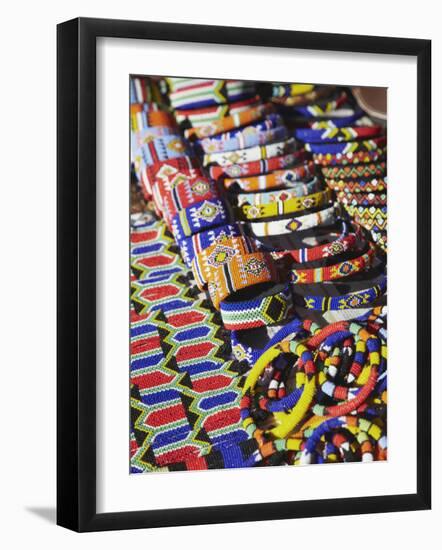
{"points": [[289, 225], [199, 217], [280, 208], [277, 178]]}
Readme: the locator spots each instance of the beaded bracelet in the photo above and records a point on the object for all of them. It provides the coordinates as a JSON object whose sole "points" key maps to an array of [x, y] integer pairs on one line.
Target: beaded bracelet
{"points": [[243, 140], [354, 118], [191, 246], [267, 123], [160, 149], [218, 254], [230, 122], [357, 186], [205, 116], [289, 206], [145, 135], [362, 199], [165, 169], [303, 99], [357, 172], [343, 242], [241, 272], [369, 217], [144, 90], [298, 189], [199, 93], [277, 178], [289, 225], [355, 299], [257, 167], [199, 217], [252, 154], [143, 116], [337, 134], [327, 159], [270, 307], [177, 190], [322, 108], [346, 147], [283, 90], [335, 271]]}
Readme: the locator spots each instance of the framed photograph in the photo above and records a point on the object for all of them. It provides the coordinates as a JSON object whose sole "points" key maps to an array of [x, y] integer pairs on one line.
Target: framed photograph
{"points": [[232, 205]]}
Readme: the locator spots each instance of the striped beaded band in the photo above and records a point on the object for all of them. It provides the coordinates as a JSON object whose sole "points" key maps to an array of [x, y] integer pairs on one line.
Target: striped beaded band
{"points": [[207, 115], [243, 140], [351, 300], [335, 271], [344, 242], [357, 172], [337, 134], [346, 147], [260, 152], [230, 122], [291, 205], [289, 225], [298, 189], [260, 125], [144, 90], [257, 167], [144, 116], [327, 159], [198, 93], [357, 186], [273, 306], [277, 178]]}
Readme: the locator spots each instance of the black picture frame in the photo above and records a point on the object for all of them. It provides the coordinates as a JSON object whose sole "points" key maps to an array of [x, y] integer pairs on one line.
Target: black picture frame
{"points": [[76, 273]]}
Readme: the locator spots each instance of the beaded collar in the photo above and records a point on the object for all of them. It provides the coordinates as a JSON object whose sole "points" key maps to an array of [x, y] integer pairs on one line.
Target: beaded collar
{"points": [[296, 189]]}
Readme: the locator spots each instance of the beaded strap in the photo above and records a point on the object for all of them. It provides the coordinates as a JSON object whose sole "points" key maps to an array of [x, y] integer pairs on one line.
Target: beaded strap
{"points": [[274, 306], [191, 246], [230, 122], [260, 152], [289, 206], [298, 189], [218, 254], [357, 186], [357, 299], [257, 167], [289, 225], [199, 217], [207, 115], [328, 159], [249, 137], [242, 271], [337, 134], [356, 172], [346, 147], [277, 178], [335, 271], [205, 93], [284, 90]]}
